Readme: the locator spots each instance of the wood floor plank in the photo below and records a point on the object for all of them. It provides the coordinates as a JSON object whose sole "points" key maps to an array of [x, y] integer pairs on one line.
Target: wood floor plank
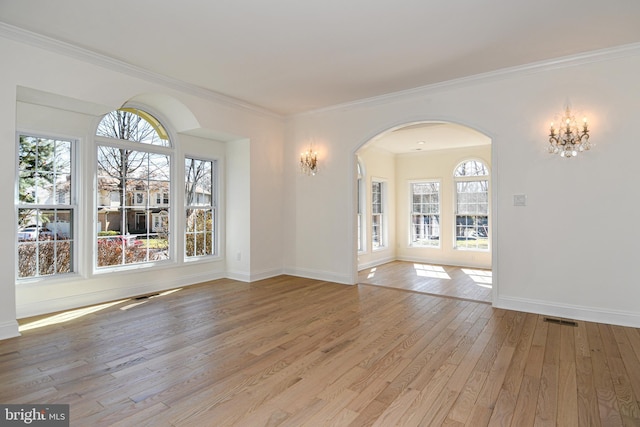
{"points": [[605, 392], [526, 399], [290, 351]]}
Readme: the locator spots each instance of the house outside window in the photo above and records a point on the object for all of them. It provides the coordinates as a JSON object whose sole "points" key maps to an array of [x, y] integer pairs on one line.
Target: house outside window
{"points": [[425, 214], [46, 206], [472, 205], [200, 208], [133, 164]]}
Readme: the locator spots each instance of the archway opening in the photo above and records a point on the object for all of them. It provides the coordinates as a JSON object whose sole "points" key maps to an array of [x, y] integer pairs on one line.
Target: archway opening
{"points": [[424, 210]]}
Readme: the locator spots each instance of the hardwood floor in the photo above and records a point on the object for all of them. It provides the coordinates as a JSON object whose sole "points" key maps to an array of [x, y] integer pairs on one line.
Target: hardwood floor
{"points": [[434, 279], [299, 352]]}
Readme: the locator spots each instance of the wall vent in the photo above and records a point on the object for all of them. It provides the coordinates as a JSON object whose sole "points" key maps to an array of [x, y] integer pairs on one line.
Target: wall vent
{"points": [[558, 321]]}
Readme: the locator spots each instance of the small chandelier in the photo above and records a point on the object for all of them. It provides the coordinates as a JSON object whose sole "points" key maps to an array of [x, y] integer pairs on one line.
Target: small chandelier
{"points": [[568, 139], [309, 162]]}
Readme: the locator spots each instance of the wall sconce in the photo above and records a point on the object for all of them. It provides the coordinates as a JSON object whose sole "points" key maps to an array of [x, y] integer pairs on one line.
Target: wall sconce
{"points": [[568, 139], [309, 162]]}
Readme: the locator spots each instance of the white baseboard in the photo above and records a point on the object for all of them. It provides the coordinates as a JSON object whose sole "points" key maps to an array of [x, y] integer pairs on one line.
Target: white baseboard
{"points": [[9, 330], [241, 276], [376, 263], [266, 274], [566, 311], [328, 276]]}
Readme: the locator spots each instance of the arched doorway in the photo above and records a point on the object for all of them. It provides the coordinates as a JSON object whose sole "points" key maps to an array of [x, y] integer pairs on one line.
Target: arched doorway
{"points": [[420, 221]]}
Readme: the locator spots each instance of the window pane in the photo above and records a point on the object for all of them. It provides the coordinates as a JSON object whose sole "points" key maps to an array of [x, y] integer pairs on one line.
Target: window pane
{"points": [[425, 218], [200, 205], [133, 203], [133, 125], [377, 220], [472, 206], [133, 190], [45, 233], [471, 168]]}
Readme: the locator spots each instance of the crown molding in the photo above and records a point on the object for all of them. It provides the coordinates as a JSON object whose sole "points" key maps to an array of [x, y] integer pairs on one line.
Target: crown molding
{"points": [[63, 48], [535, 67]]}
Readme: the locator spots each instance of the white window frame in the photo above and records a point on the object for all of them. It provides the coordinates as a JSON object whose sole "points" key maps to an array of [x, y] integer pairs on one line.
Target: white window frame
{"points": [[213, 206], [55, 205], [361, 209], [471, 178], [412, 226], [146, 147], [381, 242]]}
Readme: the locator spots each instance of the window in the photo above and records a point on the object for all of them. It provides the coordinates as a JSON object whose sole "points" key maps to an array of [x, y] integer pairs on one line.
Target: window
{"points": [[361, 208], [200, 207], [46, 206], [133, 167], [377, 215], [425, 214], [472, 205]]}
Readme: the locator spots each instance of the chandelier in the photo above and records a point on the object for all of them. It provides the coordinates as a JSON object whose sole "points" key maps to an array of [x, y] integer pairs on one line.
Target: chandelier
{"points": [[309, 162], [568, 139]]}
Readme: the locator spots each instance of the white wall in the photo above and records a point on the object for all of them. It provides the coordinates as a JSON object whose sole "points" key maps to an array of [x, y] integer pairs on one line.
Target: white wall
{"points": [[570, 251], [83, 86]]}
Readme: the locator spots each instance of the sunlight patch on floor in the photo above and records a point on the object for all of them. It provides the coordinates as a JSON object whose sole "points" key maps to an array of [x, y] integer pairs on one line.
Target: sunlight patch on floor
{"points": [[67, 316], [372, 273], [161, 294], [80, 312], [482, 278], [427, 270]]}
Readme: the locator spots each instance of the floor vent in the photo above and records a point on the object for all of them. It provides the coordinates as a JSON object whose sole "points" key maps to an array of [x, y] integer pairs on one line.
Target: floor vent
{"points": [[145, 296], [560, 321]]}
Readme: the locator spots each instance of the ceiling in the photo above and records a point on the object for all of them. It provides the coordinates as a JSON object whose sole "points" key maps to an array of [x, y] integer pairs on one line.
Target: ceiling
{"points": [[431, 136], [292, 56]]}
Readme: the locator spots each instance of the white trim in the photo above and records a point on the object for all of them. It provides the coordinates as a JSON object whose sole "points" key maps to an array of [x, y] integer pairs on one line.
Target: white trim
{"points": [[376, 263], [265, 274], [328, 276], [568, 311], [534, 67], [9, 330], [241, 276], [63, 48]]}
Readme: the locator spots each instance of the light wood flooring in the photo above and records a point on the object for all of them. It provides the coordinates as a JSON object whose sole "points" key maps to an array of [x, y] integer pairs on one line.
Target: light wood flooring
{"points": [[288, 351], [434, 279]]}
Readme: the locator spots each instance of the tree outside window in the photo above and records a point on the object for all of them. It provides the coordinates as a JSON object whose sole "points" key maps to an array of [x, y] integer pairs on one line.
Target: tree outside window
{"points": [[200, 207], [134, 173], [472, 205], [46, 206]]}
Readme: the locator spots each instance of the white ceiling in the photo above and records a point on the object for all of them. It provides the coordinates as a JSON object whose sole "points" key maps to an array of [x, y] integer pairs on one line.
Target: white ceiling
{"points": [[291, 56], [427, 137]]}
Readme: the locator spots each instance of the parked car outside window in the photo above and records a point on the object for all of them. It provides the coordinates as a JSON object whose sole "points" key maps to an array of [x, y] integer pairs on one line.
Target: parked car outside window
{"points": [[32, 232]]}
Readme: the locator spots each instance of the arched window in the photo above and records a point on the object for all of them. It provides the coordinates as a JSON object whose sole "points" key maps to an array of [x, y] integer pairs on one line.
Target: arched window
{"points": [[472, 205], [131, 124], [133, 189]]}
